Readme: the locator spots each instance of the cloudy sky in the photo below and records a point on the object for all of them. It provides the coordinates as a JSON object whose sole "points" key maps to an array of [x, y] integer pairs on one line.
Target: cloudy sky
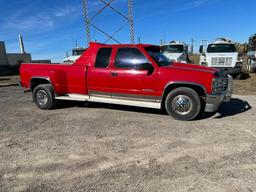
{"points": [[51, 27]]}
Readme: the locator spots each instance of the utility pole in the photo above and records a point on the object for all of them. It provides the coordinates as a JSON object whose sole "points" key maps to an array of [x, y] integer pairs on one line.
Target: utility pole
{"points": [[131, 22], [108, 4], [87, 22]]}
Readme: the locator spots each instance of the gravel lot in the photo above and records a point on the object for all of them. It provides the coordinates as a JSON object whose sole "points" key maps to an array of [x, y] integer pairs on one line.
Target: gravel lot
{"points": [[96, 147]]}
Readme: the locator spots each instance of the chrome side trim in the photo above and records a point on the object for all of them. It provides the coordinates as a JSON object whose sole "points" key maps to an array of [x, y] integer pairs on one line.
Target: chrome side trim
{"points": [[153, 105], [134, 97], [99, 94], [73, 97], [77, 97]]}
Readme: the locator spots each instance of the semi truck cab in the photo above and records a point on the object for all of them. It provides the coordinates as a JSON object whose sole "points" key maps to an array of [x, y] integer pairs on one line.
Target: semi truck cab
{"points": [[176, 51], [223, 55]]}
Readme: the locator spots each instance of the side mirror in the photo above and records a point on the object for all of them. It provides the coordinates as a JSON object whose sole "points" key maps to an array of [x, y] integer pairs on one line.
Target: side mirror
{"points": [[148, 67], [201, 49]]}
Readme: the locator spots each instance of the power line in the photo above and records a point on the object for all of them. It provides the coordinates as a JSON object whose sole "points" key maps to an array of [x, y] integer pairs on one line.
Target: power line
{"points": [[89, 23]]}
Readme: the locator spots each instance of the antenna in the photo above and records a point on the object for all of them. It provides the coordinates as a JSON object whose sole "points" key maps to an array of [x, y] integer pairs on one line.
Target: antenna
{"points": [[108, 4]]}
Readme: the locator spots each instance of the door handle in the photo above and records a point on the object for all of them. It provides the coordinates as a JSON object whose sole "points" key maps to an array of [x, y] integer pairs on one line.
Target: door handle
{"points": [[114, 74]]}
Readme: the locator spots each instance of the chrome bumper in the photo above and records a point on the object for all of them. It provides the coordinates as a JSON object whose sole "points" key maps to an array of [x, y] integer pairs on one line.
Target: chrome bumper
{"points": [[214, 101]]}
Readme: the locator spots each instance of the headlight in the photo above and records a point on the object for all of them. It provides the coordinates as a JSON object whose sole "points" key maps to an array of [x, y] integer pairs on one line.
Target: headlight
{"points": [[204, 63], [239, 64], [219, 85], [179, 59]]}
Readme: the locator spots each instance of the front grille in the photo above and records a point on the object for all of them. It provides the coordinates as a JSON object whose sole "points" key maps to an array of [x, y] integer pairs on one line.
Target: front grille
{"points": [[222, 85], [225, 85], [221, 61]]}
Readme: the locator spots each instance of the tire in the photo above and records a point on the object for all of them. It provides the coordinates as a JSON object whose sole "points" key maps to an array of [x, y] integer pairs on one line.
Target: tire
{"points": [[43, 96], [183, 104]]}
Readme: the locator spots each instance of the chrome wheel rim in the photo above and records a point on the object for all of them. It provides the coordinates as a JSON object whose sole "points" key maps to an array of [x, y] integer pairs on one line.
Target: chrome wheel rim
{"points": [[42, 97], [182, 104]]}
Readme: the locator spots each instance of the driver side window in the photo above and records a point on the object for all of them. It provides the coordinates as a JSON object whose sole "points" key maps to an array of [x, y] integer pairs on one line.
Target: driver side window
{"points": [[129, 58]]}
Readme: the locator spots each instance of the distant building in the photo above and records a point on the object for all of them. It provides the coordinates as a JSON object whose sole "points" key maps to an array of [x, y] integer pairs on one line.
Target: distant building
{"points": [[3, 55], [12, 60]]}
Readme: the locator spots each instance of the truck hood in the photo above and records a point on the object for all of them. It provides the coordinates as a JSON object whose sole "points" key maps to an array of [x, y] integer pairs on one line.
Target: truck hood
{"points": [[192, 67], [235, 54]]}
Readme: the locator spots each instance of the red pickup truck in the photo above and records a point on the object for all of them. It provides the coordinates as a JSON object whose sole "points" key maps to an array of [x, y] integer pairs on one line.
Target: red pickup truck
{"points": [[135, 75]]}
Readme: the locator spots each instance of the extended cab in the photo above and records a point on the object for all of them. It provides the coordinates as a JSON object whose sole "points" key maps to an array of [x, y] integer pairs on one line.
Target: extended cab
{"points": [[134, 75]]}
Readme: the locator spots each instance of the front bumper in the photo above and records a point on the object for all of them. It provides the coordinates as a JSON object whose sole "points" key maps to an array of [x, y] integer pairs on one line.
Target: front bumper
{"points": [[213, 101]]}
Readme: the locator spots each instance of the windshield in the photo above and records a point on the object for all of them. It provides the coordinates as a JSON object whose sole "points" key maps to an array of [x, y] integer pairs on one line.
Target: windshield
{"points": [[221, 48], [173, 48], [158, 56]]}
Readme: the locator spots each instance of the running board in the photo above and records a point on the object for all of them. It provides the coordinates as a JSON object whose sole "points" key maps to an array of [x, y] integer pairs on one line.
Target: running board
{"points": [[73, 97], [76, 97]]}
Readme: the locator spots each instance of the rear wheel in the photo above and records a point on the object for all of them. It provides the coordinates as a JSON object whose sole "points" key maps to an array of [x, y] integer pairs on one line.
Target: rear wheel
{"points": [[183, 104], [43, 96]]}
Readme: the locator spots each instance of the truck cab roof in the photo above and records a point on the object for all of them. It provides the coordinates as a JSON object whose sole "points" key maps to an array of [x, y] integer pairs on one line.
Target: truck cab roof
{"points": [[223, 41], [95, 44]]}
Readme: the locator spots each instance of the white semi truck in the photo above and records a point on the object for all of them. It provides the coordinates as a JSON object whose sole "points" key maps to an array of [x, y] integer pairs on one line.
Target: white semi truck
{"points": [[251, 66], [176, 51], [221, 54], [76, 53]]}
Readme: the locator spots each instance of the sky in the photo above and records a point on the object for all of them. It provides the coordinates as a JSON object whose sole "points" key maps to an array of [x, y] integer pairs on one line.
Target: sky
{"points": [[50, 28]]}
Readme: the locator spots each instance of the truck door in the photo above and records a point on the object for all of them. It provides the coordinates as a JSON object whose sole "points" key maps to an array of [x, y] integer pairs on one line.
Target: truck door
{"points": [[133, 76], [98, 76]]}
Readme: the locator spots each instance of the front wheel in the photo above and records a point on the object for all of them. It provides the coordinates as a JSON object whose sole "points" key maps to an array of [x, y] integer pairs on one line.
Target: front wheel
{"points": [[183, 104], [43, 96]]}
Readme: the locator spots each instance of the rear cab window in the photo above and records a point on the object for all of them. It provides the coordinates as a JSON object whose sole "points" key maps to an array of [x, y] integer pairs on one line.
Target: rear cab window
{"points": [[103, 58]]}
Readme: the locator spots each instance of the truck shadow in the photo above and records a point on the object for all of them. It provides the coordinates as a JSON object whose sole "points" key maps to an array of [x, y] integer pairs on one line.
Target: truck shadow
{"points": [[71, 104], [232, 108]]}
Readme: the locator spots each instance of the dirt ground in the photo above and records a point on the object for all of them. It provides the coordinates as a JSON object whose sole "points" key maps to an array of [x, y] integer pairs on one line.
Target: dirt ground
{"points": [[9, 80], [101, 148], [246, 86]]}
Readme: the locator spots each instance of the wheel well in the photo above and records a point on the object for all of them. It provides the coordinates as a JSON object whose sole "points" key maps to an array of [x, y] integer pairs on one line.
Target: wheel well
{"points": [[200, 90], [38, 81]]}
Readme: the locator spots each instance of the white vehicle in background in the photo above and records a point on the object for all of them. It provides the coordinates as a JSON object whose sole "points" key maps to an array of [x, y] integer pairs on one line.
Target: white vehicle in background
{"points": [[176, 51], [251, 66], [223, 55], [76, 53]]}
